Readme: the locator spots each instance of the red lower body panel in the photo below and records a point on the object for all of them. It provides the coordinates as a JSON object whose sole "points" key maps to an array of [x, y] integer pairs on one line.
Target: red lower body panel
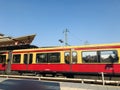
{"points": [[42, 67], [76, 68], [96, 68], [2, 67]]}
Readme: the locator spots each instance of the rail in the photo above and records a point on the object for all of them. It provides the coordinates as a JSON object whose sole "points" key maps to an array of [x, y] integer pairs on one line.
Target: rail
{"points": [[103, 82]]}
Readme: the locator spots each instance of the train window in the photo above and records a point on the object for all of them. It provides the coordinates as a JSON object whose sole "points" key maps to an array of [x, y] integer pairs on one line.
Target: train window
{"points": [[2, 58], [41, 58], [16, 58], [89, 57], [74, 57], [48, 58], [53, 57], [108, 56], [67, 57]]}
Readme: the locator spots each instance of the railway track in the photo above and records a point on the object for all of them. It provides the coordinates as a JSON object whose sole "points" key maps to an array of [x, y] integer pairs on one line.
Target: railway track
{"points": [[63, 79]]}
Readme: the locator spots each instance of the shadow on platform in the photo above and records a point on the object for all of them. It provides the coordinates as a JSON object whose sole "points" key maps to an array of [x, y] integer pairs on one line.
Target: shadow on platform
{"points": [[11, 84]]}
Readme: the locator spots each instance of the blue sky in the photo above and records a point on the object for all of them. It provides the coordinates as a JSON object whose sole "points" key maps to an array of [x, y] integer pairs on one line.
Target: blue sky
{"points": [[95, 21]]}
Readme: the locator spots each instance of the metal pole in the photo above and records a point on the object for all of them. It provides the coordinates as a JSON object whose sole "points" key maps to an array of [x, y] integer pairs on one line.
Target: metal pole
{"points": [[71, 58], [103, 81], [8, 67], [71, 50]]}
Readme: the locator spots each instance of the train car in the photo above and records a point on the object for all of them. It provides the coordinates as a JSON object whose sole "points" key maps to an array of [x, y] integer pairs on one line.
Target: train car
{"points": [[66, 60]]}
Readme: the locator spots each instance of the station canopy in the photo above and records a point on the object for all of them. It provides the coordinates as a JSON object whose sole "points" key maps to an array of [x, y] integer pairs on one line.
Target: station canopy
{"points": [[10, 43]]}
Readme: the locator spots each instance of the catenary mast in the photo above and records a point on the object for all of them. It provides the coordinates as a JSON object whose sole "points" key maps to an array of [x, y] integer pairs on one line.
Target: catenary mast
{"points": [[66, 36]]}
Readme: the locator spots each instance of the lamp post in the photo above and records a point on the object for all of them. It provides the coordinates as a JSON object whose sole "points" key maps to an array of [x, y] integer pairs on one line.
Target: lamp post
{"points": [[61, 41]]}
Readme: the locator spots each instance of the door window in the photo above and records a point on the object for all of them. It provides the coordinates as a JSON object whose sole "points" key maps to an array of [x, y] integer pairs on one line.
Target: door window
{"points": [[74, 57], [67, 57]]}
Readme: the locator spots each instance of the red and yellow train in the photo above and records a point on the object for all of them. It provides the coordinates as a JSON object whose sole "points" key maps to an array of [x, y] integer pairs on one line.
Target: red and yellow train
{"points": [[67, 60]]}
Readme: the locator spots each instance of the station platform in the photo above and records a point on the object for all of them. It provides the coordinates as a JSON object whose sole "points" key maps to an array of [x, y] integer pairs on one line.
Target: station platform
{"points": [[25, 84]]}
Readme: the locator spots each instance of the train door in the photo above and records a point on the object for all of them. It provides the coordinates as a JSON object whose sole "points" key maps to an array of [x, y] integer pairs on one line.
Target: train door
{"points": [[70, 59], [74, 57], [28, 58]]}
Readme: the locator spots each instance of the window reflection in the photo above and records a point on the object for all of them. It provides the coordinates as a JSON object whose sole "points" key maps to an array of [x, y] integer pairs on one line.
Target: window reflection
{"points": [[89, 57], [105, 56], [108, 56]]}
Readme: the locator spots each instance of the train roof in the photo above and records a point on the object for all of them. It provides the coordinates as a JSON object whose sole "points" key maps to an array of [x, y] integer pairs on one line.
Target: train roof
{"points": [[88, 45], [91, 46], [84, 47]]}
